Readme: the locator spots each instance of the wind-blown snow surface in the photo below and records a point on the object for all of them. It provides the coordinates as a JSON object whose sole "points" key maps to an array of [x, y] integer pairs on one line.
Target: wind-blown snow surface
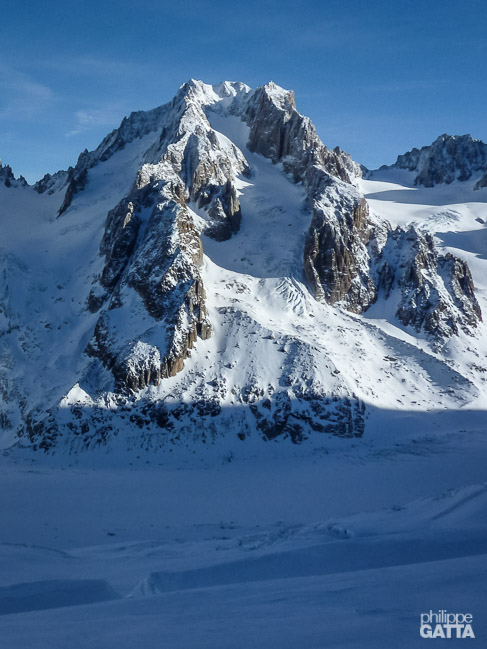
{"points": [[343, 548], [239, 544]]}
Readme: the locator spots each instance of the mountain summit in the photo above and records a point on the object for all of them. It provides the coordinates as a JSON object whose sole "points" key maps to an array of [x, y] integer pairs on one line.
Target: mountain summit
{"points": [[212, 270]]}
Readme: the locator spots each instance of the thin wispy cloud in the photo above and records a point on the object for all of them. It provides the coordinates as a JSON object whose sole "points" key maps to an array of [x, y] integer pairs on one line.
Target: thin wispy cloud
{"points": [[21, 96], [86, 120]]}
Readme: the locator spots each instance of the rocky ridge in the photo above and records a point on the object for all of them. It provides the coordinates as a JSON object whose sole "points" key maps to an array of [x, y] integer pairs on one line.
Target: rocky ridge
{"points": [[448, 158], [151, 244], [344, 249], [335, 255]]}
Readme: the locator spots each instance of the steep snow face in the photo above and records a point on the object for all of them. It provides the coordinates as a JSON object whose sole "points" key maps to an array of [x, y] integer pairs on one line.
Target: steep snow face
{"points": [[212, 272], [48, 265], [449, 158]]}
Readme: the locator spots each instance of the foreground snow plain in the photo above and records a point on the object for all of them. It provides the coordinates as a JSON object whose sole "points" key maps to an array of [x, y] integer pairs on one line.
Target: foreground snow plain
{"points": [[337, 544], [341, 548]]}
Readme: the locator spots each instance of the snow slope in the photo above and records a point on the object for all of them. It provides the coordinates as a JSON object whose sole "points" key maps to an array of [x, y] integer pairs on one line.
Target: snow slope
{"points": [[47, 268], [457, 217]]}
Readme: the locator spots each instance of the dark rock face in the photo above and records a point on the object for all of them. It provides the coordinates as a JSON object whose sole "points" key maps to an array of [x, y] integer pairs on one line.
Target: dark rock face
{"points": [[50, 183], [6, 175], [436, 291], [279, 132], [279, 416], [152, 258], [76, 182], [482, 182], [203, 421], [449, 158], [225, 213], [459, 283], [336, 259]]}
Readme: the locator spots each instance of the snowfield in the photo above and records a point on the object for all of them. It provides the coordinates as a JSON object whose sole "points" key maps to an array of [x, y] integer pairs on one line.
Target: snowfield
{"points": [[339, 548]]}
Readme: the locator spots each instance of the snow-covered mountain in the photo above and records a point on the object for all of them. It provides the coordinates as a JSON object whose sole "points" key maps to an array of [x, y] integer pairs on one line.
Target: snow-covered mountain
{"points": [[208, 285], [213, 273]]}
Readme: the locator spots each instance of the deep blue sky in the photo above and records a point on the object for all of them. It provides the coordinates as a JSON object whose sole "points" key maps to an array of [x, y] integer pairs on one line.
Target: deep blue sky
{"points": [[376, 77]]}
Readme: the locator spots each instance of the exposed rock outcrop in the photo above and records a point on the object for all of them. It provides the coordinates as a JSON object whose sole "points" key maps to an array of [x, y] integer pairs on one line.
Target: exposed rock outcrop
{"points": [[436, 291], [152, 258], [336, 256], [206, 164], [8, 179], [343, 247], [76, 181], [482, 182], [51, 183], [449, 158], [336, 259], [279, 132]]}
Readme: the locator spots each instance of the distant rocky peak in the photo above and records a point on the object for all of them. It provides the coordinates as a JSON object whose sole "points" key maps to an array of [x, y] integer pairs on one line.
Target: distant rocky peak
{"points": [[8, 179], [51, 183], [6, 175], [448, 158]]}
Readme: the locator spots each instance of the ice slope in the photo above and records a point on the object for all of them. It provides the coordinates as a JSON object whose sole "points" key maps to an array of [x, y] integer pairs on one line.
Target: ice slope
{"points": [[41, 595], [348, 610]]}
